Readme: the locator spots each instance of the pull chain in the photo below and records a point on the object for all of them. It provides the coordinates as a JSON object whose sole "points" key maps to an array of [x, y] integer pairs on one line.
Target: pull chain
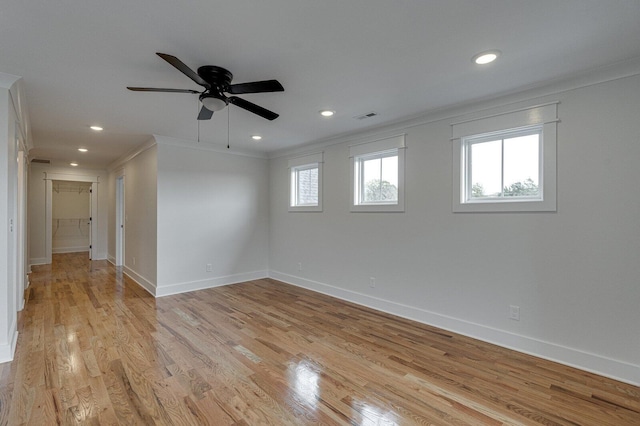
{"points": [[228, 127], [198, 112]]}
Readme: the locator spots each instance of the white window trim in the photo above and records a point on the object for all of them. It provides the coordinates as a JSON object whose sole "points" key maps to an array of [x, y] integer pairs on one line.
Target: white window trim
{"points": [[306, 161], [545, 115], [374, 147]]}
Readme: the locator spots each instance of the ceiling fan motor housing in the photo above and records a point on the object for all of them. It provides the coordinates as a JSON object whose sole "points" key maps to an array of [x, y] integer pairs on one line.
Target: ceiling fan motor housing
{"points": [[217, 77]]}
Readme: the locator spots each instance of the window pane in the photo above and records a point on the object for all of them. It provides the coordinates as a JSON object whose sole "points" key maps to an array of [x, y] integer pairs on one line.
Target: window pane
{"points": [[307, 182], [390, 170], [486, 169], [521, 166], [371, 180]]}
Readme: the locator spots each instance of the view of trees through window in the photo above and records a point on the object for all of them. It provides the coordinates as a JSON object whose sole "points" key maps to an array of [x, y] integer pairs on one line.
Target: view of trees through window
{"points": [[380, 178], [505, 167], [307, 187], [380, 190], [528, 188]]}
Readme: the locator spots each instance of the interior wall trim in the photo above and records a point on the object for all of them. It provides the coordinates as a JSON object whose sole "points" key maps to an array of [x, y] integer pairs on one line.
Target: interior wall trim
{"points": [[170, 289], [8, 350], [594, 363], [37, 261], [140, 280]]}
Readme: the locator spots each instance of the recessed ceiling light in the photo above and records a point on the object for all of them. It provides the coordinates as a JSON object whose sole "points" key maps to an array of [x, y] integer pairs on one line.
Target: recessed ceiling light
{"points": [[486, 57], [327, 113], [256, 137], [96, 128], [83, 149], [73, 164]]}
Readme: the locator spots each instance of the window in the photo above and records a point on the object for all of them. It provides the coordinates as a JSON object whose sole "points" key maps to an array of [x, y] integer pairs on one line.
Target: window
{"points": [[504, 166], [305, 185], [377, 170], [509, 168]]}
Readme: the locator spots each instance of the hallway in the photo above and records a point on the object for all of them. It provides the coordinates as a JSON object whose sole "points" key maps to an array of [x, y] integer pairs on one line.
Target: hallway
{"points": [[95, 348]]}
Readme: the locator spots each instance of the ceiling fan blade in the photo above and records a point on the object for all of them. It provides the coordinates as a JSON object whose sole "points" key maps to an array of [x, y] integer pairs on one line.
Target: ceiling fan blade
{"points": [[205, 114], [251, 107], [184, 69], [256, 87], [155, 89]]}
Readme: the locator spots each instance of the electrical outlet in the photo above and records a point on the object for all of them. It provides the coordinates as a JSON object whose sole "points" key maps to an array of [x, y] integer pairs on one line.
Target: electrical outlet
{"points": [[514, 312], [372, 282], [209, 267], [134, 261], [299, 266]]}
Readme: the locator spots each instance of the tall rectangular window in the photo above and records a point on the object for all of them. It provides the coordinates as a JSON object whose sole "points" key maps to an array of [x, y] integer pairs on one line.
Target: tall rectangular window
{"points": [[305, 183], [377, 170]]}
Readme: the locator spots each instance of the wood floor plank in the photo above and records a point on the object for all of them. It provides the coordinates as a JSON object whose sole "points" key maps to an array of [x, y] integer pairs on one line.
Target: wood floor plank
{"points": [[96, 348]]}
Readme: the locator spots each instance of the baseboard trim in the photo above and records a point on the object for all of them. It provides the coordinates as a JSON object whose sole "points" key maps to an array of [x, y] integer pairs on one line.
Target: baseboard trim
{"points": [[597, 364], [100, 256], [78, 249], [7, 351], [167, 290], [140, 280], [37, 261]]}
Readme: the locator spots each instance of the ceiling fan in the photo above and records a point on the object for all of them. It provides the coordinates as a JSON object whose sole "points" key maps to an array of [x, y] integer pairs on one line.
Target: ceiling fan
{"points": [[216, 82]]}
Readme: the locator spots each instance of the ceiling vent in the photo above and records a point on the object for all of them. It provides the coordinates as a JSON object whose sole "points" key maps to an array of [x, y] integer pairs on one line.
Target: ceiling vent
{"points": [[41, 161], [365, 116]]}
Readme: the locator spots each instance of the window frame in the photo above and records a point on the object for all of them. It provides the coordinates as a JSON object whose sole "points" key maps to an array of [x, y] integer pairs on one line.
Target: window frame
{"points": [[469, 141], [295, 165], [383, 148], [542, 117]]}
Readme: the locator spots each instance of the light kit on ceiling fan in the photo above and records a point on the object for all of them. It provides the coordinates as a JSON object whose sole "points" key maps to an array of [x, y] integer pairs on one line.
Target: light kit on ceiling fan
{"points": [[216, 82], [212, 102]]}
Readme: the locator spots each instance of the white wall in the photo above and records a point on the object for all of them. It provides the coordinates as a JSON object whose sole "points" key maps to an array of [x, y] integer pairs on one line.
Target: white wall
{"points": [[37, 208], [574, 273], [13, 130], [140, 225], [213, 209]]}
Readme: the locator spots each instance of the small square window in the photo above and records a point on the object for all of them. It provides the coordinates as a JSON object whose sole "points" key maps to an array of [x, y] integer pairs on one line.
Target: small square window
{"points": [[503, 167], [305, 192], [377, 171]]}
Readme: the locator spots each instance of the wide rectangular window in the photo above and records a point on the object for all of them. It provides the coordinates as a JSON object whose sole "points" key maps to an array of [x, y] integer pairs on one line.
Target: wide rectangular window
{"points": [[305, 183], [377, 170], [506, 162], [504, 166]]}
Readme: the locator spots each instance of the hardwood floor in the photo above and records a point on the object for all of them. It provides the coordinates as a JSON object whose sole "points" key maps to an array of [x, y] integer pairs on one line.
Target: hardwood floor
{"points": [[95, 348]]}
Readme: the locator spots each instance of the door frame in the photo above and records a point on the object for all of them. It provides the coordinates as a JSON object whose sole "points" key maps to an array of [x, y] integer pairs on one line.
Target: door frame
{"points": [[120, 216], [49, 178]]}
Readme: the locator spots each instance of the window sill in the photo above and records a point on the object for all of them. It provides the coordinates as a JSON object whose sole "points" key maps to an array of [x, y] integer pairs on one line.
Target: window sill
{"points": [[294, 209], [377, 208], [498, 206]]}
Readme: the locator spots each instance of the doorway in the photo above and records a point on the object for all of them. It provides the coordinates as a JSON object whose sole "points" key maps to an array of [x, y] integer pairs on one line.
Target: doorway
{"points": [[71, 216], [50, 225]]}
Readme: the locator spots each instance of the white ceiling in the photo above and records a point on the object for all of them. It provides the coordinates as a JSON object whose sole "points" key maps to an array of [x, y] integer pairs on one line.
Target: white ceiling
{"points": [[398, 58]]}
